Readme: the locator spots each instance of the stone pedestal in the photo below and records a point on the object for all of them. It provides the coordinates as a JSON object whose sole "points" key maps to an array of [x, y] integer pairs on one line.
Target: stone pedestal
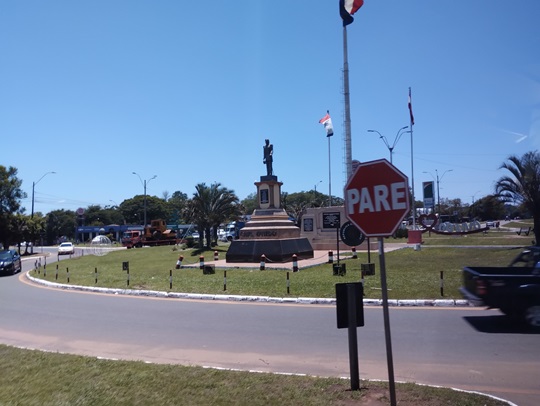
{"points": [[269, 232]]}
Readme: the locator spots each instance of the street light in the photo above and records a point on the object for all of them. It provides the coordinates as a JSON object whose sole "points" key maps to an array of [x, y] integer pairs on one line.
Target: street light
{"points": [[144, 185], [318, 183], [385, 140], [33, 189], [438, 179]]}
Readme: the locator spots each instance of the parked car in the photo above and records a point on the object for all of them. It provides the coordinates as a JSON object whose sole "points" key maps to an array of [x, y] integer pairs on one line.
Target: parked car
{"points": [[10, 262], [66, 248]]}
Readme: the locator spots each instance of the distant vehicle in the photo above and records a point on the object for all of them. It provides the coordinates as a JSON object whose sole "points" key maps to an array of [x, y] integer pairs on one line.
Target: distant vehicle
{"points": [[490, 223], [514, 290], [232, 231], [66, 248], [10, 262], [155, 234]]}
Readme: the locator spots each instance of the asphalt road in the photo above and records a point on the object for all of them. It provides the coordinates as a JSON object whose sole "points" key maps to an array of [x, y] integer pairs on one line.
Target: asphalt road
{"points": [[466, 348]]}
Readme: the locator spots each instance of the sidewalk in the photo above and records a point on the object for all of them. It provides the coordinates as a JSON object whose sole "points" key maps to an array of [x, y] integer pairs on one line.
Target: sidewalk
{"points": [[319, 257]]}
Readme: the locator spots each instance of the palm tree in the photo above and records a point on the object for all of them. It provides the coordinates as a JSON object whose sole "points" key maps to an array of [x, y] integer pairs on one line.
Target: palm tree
{"points": [[211, 206], [523, 186], [225, 206]]}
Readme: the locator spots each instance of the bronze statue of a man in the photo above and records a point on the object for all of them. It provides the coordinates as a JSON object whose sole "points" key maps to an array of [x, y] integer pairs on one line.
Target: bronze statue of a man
{"points": [[268, 151]]}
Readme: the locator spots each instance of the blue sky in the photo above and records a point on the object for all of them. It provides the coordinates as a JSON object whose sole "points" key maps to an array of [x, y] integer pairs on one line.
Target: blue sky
{"points": [[187, 91]]}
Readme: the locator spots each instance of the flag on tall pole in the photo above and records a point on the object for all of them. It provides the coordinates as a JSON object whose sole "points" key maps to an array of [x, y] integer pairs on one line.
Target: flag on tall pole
{"points": [[326, 121], [347, 8], [410, 108]]}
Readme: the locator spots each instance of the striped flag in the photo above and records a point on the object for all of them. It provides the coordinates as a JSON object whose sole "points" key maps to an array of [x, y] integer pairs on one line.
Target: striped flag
{"points": [[347, 8], [410, 107], [327, 122]]}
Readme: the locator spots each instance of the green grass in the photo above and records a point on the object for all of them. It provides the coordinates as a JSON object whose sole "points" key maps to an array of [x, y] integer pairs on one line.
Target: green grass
{"points": [[42, 379], [410, 274], [501, 236]]}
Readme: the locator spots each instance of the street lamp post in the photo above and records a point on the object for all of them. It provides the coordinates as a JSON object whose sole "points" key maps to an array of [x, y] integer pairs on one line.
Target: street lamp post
{"points": [[438, 180], [33, 189], [385, 140], [315, 187], [146, 181]]}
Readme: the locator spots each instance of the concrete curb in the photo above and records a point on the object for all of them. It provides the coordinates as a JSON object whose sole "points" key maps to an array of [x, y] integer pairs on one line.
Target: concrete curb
{"points": [[241, 298]]}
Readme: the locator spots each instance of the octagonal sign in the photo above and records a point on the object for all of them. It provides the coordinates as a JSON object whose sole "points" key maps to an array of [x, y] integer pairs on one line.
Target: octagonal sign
{"points": [[377, 198]]}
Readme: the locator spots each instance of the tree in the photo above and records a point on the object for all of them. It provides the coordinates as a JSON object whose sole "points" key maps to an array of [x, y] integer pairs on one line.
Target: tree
{"points": [[177, 205], [523, 184], [10, 197], [209, 207], [60, 223], [295, 203], [224, 206], [249, 204], [35, 227], [490, 207], [133, 209], [95, 215]]}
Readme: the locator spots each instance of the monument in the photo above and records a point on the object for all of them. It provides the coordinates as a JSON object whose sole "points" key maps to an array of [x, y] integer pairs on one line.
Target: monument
{"points": [[269, 232]]}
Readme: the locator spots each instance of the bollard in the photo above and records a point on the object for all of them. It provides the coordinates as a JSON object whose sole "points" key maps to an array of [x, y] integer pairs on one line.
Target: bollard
{"points": [[330, 257], [201, 262], [354, 254], [56, 276], [295, 263], [263, 262], [179, 262], [224, 281], [288, 283], [95, 274], [44, 271], [442, 283], [67, 272], [128, 276], [170, 279], [216, 256]]}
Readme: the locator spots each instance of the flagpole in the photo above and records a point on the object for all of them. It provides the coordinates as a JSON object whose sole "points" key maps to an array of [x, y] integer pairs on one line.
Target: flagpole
{"points": [[348, 152], [412, 161], [329, 176], [329, 169]]}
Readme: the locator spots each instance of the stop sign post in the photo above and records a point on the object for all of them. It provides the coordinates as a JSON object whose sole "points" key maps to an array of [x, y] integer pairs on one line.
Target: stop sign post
{"points": [[377, 201]]}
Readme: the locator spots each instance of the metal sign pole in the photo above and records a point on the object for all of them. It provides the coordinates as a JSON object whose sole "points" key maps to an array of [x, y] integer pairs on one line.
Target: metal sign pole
{"points": [[389, 358], [337, 242], [353, 339]]}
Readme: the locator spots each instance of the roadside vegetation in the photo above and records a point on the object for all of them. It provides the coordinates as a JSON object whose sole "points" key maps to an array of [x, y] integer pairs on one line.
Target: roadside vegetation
{"points": [[35, 378]]}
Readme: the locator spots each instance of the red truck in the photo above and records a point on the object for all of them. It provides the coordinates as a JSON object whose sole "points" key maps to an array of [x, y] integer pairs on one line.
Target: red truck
{"points": [[155, 234]]}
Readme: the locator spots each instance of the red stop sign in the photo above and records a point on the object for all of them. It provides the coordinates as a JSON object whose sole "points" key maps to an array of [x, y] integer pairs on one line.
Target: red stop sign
{"points": [[377, 198]]}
